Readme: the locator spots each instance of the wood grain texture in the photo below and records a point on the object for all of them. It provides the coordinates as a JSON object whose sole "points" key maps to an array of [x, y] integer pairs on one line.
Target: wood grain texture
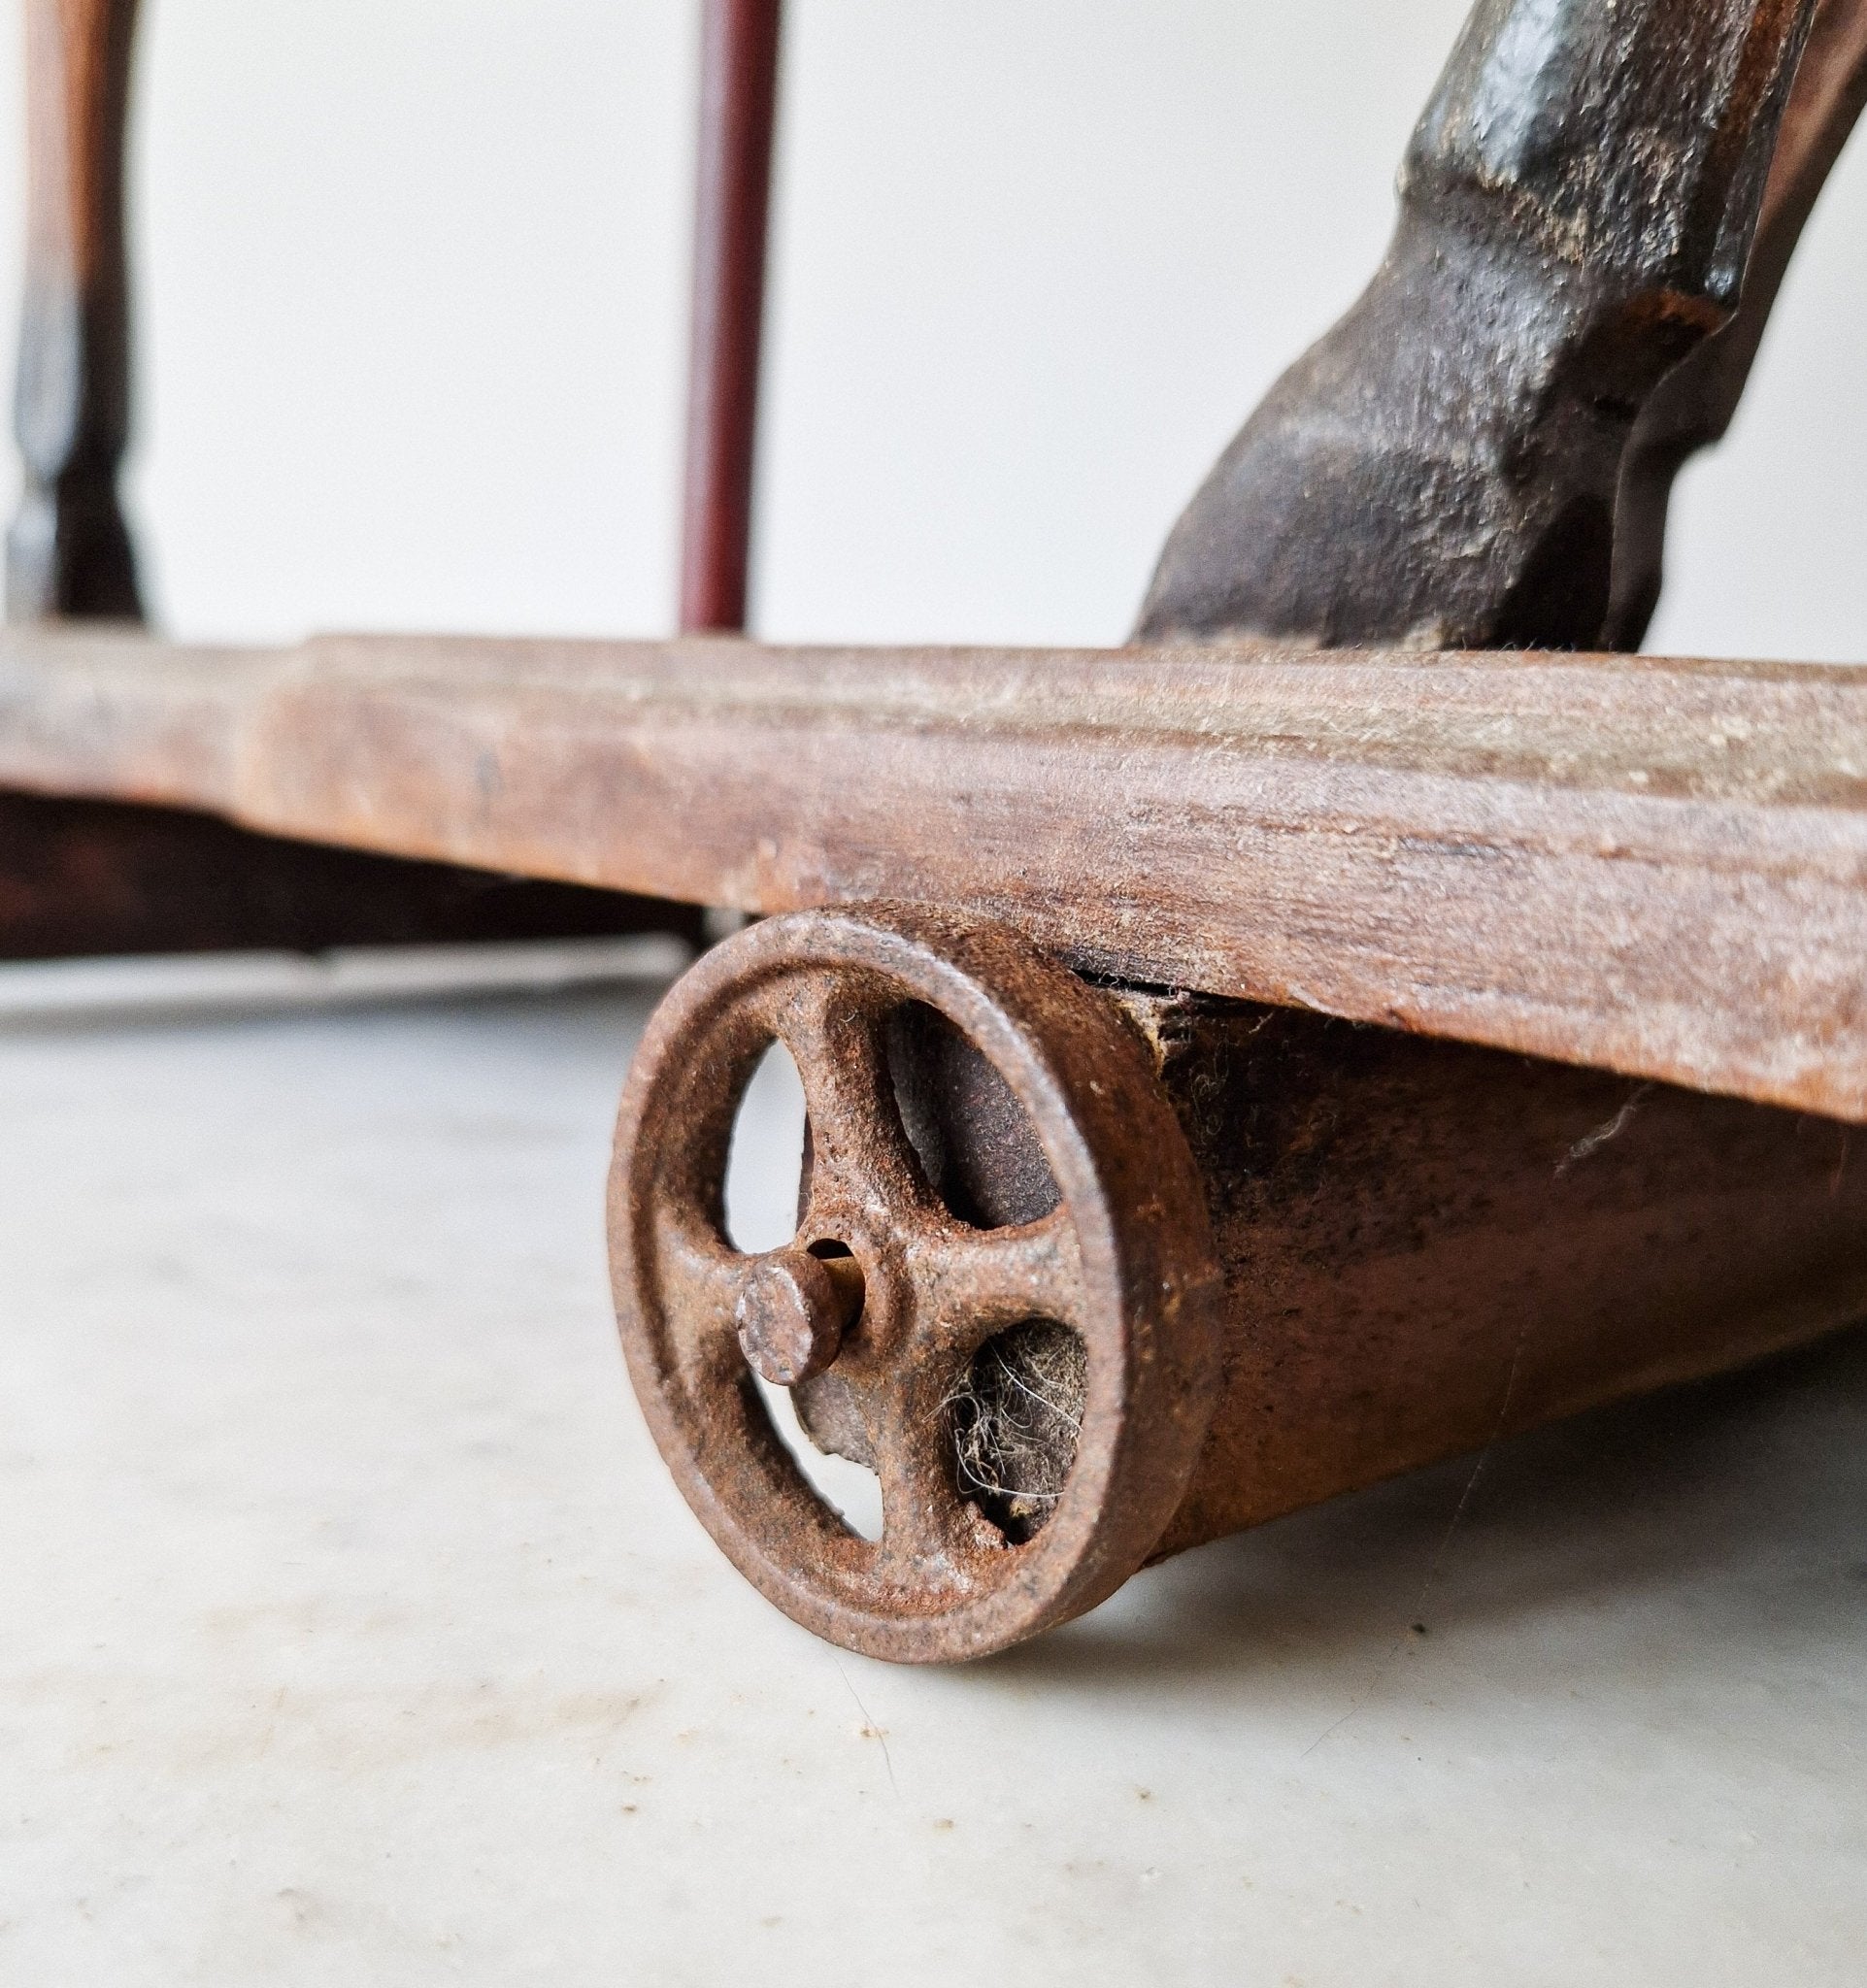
{"points": [[1654, 866], [1428, 1246]]}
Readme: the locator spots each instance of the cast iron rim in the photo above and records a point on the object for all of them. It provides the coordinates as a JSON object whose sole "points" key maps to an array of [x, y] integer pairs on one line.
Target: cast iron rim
{"points": [[1126, 1261]]}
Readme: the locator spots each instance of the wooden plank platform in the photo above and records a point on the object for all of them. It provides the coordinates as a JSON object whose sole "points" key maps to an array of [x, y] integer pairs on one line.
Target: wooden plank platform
{"points": [[1651, 866]]}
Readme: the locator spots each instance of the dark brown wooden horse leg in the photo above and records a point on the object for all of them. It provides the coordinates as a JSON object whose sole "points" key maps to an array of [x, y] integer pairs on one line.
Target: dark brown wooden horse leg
{"points": [[1441, 471], [69, 551], [1696, 404]]}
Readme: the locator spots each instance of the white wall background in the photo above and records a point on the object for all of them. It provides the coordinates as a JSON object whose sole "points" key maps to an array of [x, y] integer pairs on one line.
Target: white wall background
{"points": [[412, 287]]}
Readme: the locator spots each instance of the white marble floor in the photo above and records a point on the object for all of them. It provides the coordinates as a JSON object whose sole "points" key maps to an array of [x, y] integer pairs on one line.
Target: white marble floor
{"points": [[352, 1633]]}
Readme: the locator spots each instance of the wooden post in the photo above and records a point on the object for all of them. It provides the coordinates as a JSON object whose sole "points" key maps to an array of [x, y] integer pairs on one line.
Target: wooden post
{"points": [[69, 551], [738, 101]]}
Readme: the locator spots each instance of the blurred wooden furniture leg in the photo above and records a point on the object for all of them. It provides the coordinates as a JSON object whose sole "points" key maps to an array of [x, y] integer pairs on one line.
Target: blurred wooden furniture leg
{"points": [[93, 875], [69, 551], [738, 107]]}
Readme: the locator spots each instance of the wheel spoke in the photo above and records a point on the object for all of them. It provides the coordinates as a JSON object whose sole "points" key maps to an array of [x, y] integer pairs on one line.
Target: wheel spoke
{"points": [[700, 1280], [859, 1153], [931, 1539], [968, 1282]]}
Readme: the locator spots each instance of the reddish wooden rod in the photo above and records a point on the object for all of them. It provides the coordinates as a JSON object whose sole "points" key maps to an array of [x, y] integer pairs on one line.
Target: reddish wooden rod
{"points": [[738, 102]]}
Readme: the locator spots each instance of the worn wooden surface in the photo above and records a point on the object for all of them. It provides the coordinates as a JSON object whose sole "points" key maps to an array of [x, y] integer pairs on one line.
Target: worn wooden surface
{"points": [[1428, 1247], [1654, 866]]}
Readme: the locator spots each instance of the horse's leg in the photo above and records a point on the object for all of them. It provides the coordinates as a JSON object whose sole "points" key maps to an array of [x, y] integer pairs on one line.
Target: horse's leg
{"points": [[69, 551], [1577, 211], [1694, 405]]}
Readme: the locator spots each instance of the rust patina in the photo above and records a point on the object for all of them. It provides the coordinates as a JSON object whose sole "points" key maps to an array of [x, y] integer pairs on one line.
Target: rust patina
{"points": [[1124, 1259], [1300, 1256]]}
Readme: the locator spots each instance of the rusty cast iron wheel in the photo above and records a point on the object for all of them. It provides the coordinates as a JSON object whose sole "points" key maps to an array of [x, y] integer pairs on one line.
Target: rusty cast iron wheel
{"points": [[1124, 1260]]}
